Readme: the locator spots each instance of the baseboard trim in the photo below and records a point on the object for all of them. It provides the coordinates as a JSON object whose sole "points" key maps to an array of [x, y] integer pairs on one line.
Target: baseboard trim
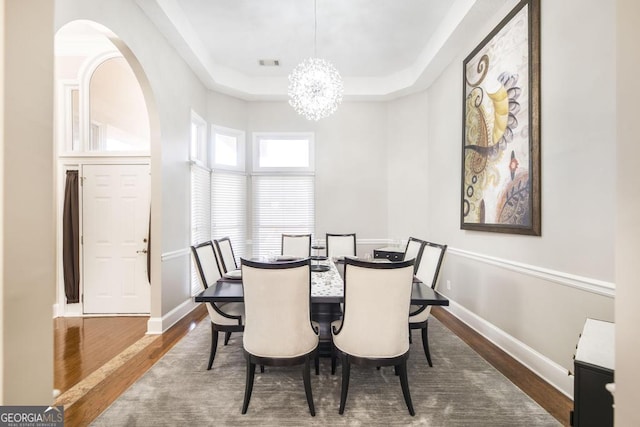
{"points": [[599, 287], [541, 365], [159, 325]]}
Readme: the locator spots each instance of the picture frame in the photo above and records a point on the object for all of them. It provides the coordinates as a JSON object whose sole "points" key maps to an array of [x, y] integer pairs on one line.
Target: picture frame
{"points": [[500, 189]]}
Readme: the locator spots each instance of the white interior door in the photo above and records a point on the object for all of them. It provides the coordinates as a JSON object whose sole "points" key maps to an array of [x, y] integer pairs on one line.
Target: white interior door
{"points": [[115, 224]]}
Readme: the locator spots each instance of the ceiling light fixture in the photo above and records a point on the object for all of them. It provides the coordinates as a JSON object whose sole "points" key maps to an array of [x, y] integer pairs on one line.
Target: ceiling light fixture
{"points": [[315, 86]]}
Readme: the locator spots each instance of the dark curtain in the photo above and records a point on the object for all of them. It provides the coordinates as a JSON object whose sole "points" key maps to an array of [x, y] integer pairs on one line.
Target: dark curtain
{"points": [[71, 239]]}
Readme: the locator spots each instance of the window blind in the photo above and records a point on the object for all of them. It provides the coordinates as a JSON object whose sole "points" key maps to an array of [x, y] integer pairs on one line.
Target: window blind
{"points": [[281, 205], [228, 209], [200, 215]]}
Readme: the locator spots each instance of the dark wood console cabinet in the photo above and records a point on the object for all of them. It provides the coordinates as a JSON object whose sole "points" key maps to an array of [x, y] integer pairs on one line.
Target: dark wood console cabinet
{"points": [[594, 368], [391, 253]]}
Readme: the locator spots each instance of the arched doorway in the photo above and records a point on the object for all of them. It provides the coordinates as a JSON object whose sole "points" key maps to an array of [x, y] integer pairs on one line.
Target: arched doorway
{"points": [[103, 138]]}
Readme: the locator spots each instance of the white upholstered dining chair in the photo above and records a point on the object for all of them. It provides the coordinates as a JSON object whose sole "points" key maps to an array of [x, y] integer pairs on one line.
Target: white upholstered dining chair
{"points": [[341, 245], [296, 245], [373, 330], [414, 251], [278, 329], [428, 272], [226, 258], [225, 317]]}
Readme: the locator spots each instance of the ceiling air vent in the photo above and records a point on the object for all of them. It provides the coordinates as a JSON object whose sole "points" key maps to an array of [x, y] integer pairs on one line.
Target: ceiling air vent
{"points": [[269, 62]]}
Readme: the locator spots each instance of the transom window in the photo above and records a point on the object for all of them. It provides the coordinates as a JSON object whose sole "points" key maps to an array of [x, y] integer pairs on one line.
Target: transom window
{"points": [[198, 149], [227, 148], [289, 152]]}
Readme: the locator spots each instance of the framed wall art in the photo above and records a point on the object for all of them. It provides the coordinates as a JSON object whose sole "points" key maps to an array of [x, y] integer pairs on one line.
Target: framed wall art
{"points": [[501, 127]]}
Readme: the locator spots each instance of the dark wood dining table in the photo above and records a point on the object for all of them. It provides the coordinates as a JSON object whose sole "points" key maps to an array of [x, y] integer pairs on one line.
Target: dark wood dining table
{"points": [[325, 308]]}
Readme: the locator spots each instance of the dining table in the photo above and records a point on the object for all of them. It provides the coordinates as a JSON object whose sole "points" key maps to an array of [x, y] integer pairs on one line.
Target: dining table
{"points": [[327, 293]]}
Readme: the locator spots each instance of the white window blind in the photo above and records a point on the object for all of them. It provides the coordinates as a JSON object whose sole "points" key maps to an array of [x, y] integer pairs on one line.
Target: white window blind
{"points": [[200, 215], [282, 204], [228, 209]]}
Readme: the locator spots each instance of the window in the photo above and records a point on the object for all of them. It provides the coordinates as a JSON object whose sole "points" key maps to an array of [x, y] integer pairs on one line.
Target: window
{"points": [[198, 146], [200, 192], [283, 198], [228, 209], [229, 188], [281, 205], [228, 149], [291, 152], [118, 115]]}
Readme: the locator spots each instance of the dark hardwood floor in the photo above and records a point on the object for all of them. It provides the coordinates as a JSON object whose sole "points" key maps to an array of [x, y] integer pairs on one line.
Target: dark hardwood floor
{"points": [[553, 401], [88, 349]]}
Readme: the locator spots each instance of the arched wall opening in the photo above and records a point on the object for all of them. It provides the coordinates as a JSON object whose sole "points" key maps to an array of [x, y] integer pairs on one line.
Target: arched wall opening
{"points": [[118, 125]]}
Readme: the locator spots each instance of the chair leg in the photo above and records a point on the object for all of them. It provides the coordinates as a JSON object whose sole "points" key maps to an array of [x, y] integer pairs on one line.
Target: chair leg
{"points": [[248, 388], [404, 383], [346, 368], [316, 362], [333, 360], [425, 344], [306, 377], [262, 369], [227, 335], [410, 339], [214, 346]]}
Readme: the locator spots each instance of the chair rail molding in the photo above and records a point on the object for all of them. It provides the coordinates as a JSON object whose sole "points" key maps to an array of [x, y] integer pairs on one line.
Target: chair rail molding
{"points": [[175, 254], [383, 242], [587, 284]]}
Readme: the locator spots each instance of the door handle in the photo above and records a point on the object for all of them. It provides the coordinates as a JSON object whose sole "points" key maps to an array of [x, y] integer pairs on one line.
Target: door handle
{"points": [[144, 251]]}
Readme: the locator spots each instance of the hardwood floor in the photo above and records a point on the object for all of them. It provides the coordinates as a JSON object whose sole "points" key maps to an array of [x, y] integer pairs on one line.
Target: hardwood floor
{"points": [[82, 345], [94, 401], [553, 401], [84, 359]]}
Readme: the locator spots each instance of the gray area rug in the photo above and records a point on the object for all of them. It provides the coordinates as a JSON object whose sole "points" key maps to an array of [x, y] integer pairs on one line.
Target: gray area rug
{"points": [[461, 389]]}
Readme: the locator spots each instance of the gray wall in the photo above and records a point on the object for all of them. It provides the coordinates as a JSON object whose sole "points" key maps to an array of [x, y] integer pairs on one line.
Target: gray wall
{"points": [[534, 290]]}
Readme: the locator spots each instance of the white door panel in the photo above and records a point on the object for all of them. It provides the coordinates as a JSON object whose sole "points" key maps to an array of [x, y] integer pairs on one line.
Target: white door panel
{"points": [[115, 222]]}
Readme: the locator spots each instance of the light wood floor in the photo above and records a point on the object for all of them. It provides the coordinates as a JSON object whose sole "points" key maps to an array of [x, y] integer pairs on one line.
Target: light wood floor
{"points": [[82, 346]]}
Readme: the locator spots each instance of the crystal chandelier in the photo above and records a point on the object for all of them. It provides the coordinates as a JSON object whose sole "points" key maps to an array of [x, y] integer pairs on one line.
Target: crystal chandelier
{"points": [[315, 86]]}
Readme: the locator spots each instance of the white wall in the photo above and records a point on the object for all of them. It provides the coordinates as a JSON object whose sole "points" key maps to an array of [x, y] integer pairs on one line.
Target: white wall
{"points": [[627, 249], [171, 91], [227, 111], [408, 167], [350, 162], [532, 289], [28, 278]]}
